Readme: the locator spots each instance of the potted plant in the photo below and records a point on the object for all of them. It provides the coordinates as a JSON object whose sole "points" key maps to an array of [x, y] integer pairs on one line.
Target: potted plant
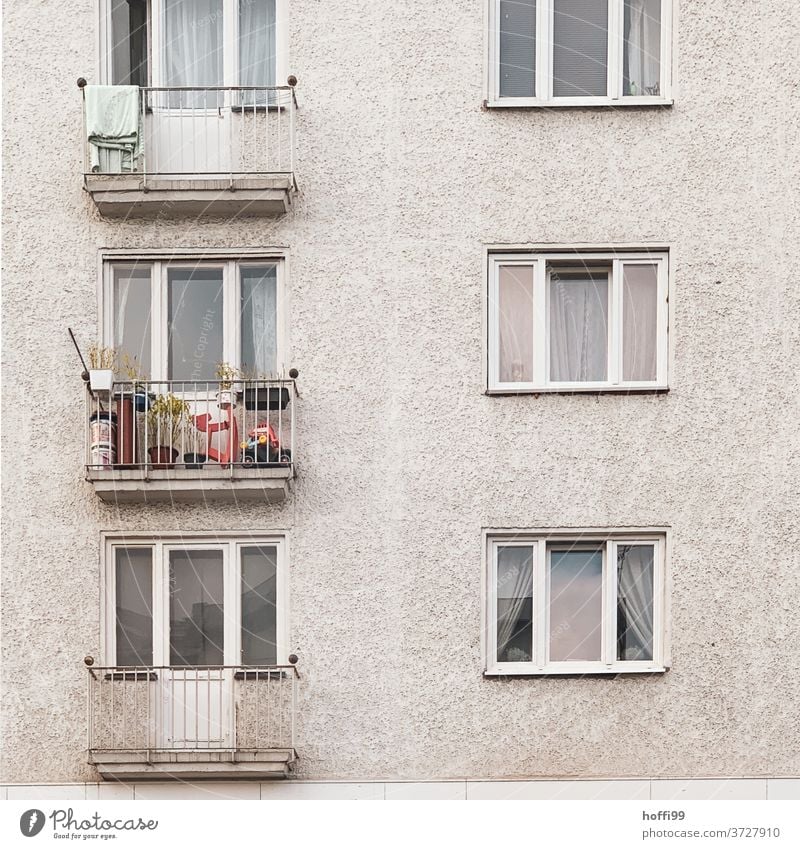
{"points": [[226, 374], [102, 362], [167, 417]]}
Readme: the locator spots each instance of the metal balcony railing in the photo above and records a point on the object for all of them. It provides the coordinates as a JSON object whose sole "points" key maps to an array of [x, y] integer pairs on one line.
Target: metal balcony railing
{"points": [[210, 428], [148, 709], [204, 132]]}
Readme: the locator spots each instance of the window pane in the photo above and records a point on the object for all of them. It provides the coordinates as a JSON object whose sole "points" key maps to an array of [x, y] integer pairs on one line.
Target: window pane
{"points": [[128, 47], [132, 316], [195, 323], [578, 326], [259, 320], [515, 316], [642, 52], [134, 606], [259, 601], [517, 48], [639, 322], [580, 48], [635, 568], [193, 49], [514, 604], [196, 608], [256, 45], [576, 605]]}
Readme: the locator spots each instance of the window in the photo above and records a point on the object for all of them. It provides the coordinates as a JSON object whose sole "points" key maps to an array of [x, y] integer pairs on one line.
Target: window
{"points": [[181, 318], [579, 52], [575, 602], [207, 602], [578, 321], [198, 42]]}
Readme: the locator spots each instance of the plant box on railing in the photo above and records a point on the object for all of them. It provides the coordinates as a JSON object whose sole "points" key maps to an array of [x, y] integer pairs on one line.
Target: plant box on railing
{"points": [[266, 398]]}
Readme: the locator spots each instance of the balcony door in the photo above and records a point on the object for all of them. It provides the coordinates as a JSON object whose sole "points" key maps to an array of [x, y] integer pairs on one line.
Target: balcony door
{"points": [[196, 55], [195, 614], [197, 689]]}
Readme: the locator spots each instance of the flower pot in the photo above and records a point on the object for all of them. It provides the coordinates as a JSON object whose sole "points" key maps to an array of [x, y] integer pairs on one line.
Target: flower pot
{"points": [[101, 379], [163, 456], [194, 461], [225, 398]]}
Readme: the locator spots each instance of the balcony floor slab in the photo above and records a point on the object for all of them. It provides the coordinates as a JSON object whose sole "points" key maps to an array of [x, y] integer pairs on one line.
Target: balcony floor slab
{"points": [[211, 485], [131, 196], [261, 764]]}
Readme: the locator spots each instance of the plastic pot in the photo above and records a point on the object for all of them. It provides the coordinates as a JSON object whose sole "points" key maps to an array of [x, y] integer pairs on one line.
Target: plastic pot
{"points": [[162, 456]]}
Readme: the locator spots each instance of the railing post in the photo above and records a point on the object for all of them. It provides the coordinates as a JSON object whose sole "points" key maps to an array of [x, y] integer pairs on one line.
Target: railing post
{"points": [[143, 134]]}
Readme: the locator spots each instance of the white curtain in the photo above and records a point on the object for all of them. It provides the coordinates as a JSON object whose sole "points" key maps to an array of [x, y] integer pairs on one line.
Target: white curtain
{"points": [[639, 322], [642, 47], [515, 320], [578, 327], [635, 602], [514, 604], [192, 52], [259, 320], [257, 58]]}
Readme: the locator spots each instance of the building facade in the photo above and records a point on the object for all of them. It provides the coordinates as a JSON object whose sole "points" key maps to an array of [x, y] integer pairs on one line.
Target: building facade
{"points": [[451, 446]]}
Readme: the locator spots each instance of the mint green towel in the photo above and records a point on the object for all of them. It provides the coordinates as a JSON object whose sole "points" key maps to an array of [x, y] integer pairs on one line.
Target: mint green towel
{"points": [[112, 127]]}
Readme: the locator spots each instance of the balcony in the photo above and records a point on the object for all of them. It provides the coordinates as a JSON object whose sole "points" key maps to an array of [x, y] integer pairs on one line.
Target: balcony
{"points": [[191, 722], [181, 441], [167, 153]]}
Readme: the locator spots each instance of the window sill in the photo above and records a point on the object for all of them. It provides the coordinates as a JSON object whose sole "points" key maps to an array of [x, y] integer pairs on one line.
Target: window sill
{"points": [[576, 102], [580, 671], [579, 390]]}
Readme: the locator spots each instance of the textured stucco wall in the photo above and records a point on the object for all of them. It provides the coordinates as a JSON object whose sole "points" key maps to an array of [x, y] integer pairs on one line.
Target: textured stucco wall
{"points": [[402, 457]]}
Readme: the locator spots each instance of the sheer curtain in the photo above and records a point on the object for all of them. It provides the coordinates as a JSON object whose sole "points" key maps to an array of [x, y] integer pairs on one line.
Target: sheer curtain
{"points": [[635, 602], [259, 320], [515, 320], [193, 50], [257, 57], [639, 322], [642, 56], [578, 326], [514, 604]]}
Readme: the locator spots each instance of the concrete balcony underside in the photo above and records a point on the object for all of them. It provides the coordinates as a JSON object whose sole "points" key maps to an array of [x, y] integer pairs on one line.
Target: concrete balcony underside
{"points": [[217, 485], [159, 765], [130, 196]]}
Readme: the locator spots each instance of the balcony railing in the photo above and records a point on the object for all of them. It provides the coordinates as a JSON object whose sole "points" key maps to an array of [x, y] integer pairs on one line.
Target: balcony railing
{"points": [[196, 150], [213, 131], [202, 426], [181, 435], [191, 720]]}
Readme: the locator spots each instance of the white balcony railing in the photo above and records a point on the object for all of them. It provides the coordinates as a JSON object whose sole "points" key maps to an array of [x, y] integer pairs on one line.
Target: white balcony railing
{"points": [[213, 132], [146, 710], [202, 428]]}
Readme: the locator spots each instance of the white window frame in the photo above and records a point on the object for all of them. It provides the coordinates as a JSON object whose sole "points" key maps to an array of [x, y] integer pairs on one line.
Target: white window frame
{"points": [[160, 264], [544, 61], [538, 260], [230, 544], [539, 541], [230, 35]]}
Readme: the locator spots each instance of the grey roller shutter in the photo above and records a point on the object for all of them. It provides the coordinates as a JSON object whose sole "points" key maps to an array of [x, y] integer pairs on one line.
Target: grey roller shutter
{"points": [[580, 48], [517, 48]]}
